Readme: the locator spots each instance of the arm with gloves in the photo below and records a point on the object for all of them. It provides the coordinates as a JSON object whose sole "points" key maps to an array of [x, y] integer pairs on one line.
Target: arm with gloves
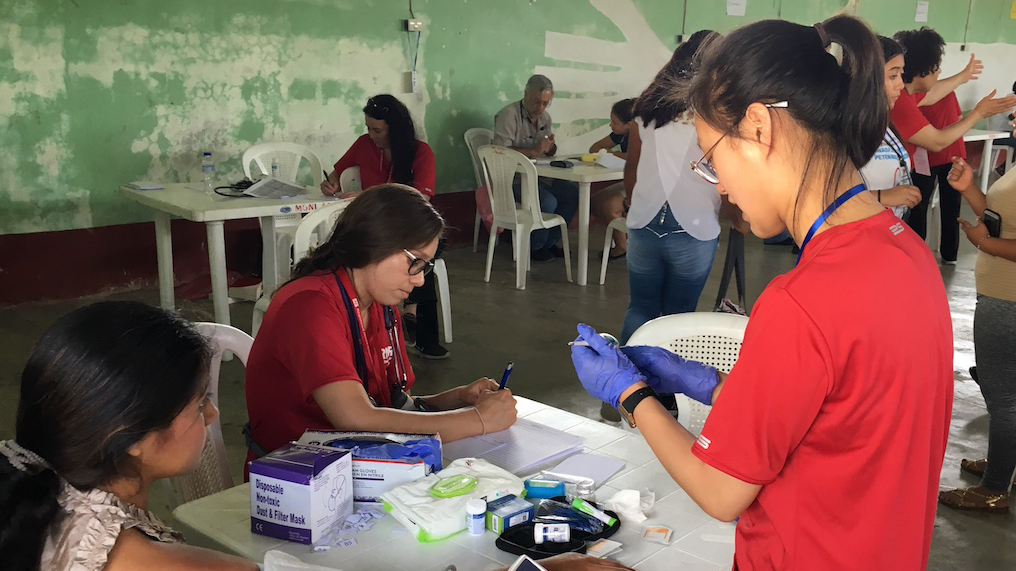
{"points": [[609, 374]]}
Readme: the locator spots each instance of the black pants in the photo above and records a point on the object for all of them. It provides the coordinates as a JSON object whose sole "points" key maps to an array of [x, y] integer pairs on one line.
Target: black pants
{"points": [[949, 207], [425, 298]]}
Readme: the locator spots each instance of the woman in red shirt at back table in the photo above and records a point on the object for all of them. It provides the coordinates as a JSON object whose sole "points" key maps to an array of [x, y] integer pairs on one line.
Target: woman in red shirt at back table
{"points": [[390, 152], [827, 437], [928, 117]]}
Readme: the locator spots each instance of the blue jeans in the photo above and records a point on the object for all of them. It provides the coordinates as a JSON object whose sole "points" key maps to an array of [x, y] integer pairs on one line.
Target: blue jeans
{"points": [[667, 270], [559, 197]]}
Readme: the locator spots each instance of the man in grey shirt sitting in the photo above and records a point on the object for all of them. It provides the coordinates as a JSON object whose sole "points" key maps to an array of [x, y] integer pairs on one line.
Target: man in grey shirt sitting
{"points": [[525, 126]]}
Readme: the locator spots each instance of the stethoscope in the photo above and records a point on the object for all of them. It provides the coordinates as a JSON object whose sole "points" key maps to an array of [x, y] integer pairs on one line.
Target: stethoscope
{"points": [[358, 332]]}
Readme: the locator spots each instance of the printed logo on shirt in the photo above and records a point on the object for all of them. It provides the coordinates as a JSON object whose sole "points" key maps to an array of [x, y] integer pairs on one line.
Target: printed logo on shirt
{"points": [[703, 442], [387, 353], [897, 228]]}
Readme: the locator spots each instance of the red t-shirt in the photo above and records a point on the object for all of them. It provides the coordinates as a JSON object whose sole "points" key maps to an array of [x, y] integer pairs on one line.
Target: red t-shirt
{"points": [[908, 119], [839, 406], [306, 342], [942, 114], [376, 169]]}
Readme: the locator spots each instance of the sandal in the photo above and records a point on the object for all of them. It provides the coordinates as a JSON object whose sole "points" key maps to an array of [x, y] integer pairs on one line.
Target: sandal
{"points": [[974, 467], [975, 499]]}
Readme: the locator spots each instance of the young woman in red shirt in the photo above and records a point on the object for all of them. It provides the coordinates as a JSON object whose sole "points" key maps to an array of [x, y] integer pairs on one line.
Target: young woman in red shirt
{"points": [[390, 152], [331, 351], [826, 439]]}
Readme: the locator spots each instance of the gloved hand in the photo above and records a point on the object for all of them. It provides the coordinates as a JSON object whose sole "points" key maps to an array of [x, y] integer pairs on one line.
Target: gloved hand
{"points": [[603, 369], [668, 372]]}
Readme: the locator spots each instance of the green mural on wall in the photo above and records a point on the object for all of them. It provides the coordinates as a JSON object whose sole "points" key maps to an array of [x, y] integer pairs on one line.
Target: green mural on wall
{"points": [[96, 93]]}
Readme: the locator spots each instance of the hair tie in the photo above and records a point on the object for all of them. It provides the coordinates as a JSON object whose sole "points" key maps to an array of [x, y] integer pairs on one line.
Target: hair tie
{"points": [[822, 35], [23, 459]]}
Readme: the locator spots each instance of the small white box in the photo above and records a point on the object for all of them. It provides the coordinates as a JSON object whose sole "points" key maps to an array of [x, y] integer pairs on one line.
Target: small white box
{"points": [[382, 461], [300, 491]]}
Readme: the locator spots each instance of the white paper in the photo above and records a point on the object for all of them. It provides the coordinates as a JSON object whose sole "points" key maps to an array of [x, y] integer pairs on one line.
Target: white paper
{"points": [[922, 164], [603, 548], [269, 187], [922, 12], [593, 466], [145, 185], [736, 7], [523, 446], [610, 160]]}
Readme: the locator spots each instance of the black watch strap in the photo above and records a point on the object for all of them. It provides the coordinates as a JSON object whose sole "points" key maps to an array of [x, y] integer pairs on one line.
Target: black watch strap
{"points": [[629, 404]]}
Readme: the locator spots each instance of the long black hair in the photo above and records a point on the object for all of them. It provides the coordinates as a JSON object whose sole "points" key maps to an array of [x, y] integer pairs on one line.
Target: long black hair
{"points": [[658, 103], [842, 107], [890, 48], [97, 381], [401, 134], [381, 221]]}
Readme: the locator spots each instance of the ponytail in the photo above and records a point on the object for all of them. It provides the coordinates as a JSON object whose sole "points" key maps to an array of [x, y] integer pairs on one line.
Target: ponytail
{"points": [[840, 105], [28, 502]]}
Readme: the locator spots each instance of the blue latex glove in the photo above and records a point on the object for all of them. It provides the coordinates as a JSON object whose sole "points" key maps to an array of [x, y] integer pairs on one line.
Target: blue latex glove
{"points": [[668, 372], [604, 370]]}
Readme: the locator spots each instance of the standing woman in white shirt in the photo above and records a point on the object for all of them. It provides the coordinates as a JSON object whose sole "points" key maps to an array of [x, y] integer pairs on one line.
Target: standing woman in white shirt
{"points": [[673, 221], [887, 174]]}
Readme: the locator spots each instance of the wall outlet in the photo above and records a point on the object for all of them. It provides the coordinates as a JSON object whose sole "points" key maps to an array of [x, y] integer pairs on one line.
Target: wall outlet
{"points": [[414, 25]]}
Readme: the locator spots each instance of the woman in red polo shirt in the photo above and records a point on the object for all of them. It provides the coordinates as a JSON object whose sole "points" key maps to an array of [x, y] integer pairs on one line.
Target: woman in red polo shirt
{"points": [[827, 437], [928, 117], [331, 353], [390, 152]]}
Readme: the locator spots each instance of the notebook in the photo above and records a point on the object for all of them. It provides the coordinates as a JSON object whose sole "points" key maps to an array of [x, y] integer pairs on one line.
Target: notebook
{"points": [[525, 445]]}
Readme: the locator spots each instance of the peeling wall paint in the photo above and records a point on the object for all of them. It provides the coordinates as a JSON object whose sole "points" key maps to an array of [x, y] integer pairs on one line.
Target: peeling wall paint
{"points": [[95, 93]]}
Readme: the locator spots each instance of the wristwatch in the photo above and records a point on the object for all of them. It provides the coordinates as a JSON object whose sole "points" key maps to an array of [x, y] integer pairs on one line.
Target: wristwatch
{"points": [[628, 405]]}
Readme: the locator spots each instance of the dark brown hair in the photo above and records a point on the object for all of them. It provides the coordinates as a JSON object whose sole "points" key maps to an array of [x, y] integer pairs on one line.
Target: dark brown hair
{"points": [[401, 134], [381, 221], [98, 381], [841, 107]]}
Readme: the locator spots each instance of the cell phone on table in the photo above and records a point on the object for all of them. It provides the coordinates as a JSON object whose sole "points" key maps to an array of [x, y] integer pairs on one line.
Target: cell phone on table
{"points": [[993, 222]]}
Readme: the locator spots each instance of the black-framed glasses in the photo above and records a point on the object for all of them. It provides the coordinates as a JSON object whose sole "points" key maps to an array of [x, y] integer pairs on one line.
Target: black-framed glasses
{"points": [[704, 166], [417, 265]]}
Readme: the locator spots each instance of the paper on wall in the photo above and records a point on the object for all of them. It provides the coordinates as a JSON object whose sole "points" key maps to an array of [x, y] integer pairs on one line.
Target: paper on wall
{"points": [[736, 7], [922, 12]]}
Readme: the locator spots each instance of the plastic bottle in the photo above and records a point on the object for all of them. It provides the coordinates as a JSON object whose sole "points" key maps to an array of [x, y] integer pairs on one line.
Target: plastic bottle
{"points": [[476, 511], [275, 168], [208, 171]]}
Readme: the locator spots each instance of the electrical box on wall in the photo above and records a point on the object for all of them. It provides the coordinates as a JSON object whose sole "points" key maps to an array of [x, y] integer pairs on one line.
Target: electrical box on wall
{"points": [[413, 25]]}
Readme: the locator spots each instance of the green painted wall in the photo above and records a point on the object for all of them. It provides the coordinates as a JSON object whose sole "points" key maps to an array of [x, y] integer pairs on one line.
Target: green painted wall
{"points": [[94, 93]]}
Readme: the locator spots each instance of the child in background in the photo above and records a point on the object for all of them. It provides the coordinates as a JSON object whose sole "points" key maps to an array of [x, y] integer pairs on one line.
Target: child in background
{"points": [[610, 203]]}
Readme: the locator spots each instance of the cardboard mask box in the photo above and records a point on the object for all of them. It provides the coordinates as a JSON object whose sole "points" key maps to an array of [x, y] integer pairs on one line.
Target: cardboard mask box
{"points": [[299, 492], [382, 461]]}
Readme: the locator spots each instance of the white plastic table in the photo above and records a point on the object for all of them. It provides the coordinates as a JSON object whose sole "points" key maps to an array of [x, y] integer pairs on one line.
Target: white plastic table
{"points": [[222, 521], [186, 201], [989, 142], [584, 174]]}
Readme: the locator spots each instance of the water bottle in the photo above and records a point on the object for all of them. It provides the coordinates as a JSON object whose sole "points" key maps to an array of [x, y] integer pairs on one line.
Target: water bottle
{"points": [[208, 171], [275, 169]]}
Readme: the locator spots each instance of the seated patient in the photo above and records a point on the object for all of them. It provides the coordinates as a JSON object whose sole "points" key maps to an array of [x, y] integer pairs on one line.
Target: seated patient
{"points": [[609, 203], [114, 396], [331, 352]]}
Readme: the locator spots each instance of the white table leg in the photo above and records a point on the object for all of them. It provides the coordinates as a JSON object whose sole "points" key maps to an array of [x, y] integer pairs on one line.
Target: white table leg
{"points": [[217, 265], [269, 256], [986, 163], [584, 193], [164, 255]]}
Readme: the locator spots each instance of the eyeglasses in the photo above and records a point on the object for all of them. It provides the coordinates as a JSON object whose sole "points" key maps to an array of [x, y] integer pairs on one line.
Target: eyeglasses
{"points": [[417, 265], [371, 104], [704, 167]]}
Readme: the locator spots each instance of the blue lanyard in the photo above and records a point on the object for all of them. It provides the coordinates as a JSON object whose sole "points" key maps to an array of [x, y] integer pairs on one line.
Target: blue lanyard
{"points": [[854, 191]]}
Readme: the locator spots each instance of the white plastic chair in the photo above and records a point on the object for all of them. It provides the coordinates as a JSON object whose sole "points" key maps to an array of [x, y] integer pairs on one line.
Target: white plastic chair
{"points": [[620, 224], [712, 338], [476, 138], [212, 474], [315, 226], [288, 156], [349, 179], [500, 165]]}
